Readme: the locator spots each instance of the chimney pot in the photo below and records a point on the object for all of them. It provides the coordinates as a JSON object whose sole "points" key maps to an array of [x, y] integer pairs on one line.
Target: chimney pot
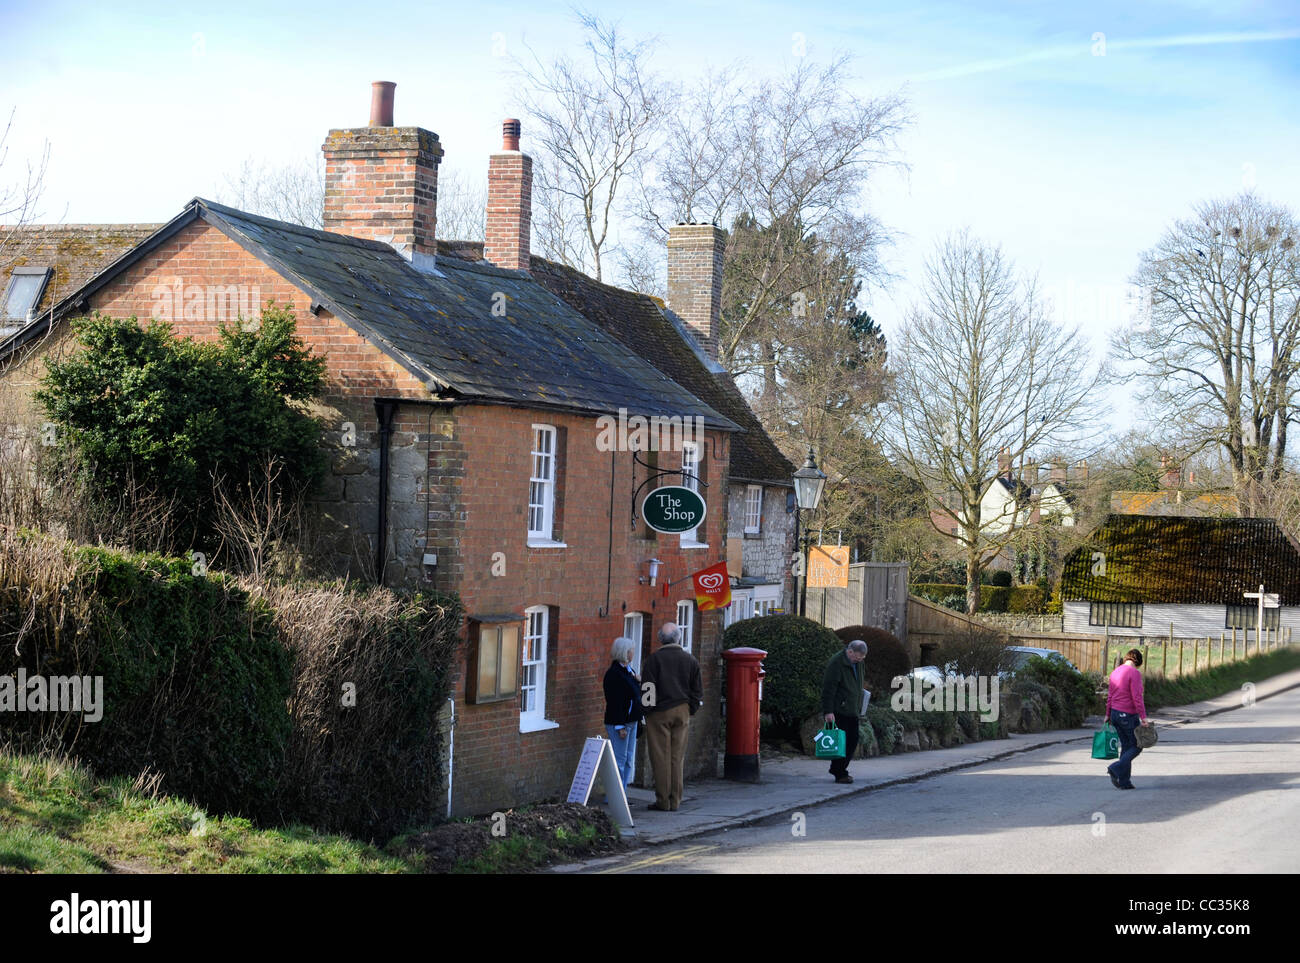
{"points": [[381, 103], [510, 134]]}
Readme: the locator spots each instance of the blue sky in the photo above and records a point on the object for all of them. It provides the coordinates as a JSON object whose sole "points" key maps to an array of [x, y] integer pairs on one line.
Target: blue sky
{"points": [[1072, 134]]}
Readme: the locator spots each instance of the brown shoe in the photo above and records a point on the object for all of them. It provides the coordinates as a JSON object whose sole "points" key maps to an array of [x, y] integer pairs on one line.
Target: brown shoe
{"points": [[846, 778]]}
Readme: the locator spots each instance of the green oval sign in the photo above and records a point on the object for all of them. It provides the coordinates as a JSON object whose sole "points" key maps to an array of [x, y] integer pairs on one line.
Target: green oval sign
{"points": [[673, 509]]}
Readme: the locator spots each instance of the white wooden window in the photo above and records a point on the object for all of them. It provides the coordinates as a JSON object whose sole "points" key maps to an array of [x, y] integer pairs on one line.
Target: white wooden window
{"points": [[741, 607], [541, 485], [532, 675], [691, 480], [686, 622], [1120, 614], [766, 598], [753, 509], [633, 626], [1247, 617]]}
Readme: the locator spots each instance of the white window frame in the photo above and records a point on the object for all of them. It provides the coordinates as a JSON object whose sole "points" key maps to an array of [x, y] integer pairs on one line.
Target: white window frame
{"points": [[692, 455], [686, 622], [634, 629], [753, 509], [535, 643], [741, 607], [541, 482], [766, 598]]}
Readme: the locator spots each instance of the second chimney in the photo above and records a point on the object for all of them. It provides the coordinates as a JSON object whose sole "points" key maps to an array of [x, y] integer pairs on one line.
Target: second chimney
{"points": [[510, 203], [381, 181], [695, 280]]}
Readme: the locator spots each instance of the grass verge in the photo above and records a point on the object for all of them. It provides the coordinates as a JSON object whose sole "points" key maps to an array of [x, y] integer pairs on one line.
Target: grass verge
{"points": [[56, 817], [1181, 690]]}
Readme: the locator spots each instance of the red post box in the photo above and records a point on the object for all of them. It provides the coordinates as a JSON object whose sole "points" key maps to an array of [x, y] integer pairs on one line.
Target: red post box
{"points": [[744, 694]]}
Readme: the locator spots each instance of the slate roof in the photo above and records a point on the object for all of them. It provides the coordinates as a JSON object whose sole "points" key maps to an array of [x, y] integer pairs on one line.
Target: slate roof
{"points": [[639, 322], [439, 324], [1206, 561], [74, 252]]}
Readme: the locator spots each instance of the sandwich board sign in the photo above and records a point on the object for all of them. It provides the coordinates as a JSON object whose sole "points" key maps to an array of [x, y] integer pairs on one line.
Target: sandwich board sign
{"points": [[598, 757]]}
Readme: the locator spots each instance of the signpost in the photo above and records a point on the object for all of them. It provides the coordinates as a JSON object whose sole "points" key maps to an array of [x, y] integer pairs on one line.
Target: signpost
{"points": [[673, 509], [1267, 600]]}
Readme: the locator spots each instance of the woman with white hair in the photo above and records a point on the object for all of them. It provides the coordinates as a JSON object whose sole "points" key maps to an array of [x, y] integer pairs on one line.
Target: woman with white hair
{"points": [[622, 706]]}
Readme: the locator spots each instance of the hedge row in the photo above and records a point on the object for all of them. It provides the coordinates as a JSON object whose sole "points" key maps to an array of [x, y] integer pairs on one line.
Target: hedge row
{"points": [[222, 694], [1020, 599]]}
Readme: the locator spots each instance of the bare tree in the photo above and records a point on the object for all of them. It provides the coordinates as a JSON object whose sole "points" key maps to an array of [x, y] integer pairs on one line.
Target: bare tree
{"points": [[462, 207], [20, 196], [290, 192], [1219, 353], [594, 121], [981, 370]]}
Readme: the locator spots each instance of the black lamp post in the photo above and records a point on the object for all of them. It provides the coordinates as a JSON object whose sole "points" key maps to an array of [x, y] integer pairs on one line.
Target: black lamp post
{"points": [[808, 485]]}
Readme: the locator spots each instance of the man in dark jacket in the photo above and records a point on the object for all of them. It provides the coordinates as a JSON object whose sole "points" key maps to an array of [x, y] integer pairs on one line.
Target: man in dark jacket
{"points": [[842, 701], [671, 693]]}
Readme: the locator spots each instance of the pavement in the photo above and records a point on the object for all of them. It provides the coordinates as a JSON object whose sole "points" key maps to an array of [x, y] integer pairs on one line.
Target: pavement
{"points": [[790, 783]]}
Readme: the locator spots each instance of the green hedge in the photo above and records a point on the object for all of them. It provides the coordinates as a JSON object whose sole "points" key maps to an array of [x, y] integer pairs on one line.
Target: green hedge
{"points": [[1027, 600], [993, 598], [797, 652], [195, 680], [316, 704]]}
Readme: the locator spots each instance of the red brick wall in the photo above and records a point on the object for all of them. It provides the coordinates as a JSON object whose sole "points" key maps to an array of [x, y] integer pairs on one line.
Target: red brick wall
{"points": [[496, 765]]}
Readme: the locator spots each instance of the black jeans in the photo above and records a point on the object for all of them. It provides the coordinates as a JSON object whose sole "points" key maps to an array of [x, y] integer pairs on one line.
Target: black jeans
{"points": [[1125, 723], [840, 767]]}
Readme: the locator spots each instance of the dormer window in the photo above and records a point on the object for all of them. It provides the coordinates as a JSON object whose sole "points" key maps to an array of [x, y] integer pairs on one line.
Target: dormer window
{"points": [[26, 285]]}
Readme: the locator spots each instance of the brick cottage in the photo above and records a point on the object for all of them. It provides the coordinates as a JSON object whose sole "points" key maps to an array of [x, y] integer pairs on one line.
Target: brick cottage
{"points": [[465, 390]]}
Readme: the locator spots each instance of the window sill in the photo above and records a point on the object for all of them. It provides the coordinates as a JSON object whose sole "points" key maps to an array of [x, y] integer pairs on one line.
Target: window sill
{"points": [[537, 725], [694, 545], [545, 543]]}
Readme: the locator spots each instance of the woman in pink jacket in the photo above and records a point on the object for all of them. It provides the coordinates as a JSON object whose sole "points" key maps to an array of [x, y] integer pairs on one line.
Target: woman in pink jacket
{"points": [[1125, 710]]}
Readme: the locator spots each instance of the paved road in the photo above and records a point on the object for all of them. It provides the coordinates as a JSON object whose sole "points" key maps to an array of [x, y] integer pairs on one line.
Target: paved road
{"points": [[1215, 796]]}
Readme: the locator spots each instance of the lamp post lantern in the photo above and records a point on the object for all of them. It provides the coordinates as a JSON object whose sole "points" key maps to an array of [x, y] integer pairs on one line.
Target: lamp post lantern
{"points": [[808, 485]]}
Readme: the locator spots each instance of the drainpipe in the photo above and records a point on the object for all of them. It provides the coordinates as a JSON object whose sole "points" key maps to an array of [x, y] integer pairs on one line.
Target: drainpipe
{"points": [[385, 411], [451, 752]]}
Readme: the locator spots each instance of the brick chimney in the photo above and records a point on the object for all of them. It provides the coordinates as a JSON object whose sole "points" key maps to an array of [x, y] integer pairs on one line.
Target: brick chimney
{"points": [[1171, 474], [1081, 470], [1004, 463], [510, 203], [1056, 472], [695, 279], [381, 181]]}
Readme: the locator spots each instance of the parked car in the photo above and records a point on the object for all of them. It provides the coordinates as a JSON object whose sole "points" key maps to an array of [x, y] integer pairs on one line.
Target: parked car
{"points": [[1021, 654]]}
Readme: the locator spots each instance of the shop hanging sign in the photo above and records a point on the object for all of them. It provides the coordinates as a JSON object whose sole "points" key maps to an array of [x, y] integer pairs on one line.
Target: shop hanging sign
{"points": [[673, 509]]}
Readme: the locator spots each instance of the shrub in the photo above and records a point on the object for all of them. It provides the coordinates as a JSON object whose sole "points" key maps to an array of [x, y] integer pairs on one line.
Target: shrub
{"points": [[797, 652], [195, 680], [887, 725], [1075, 696], [138, 405], [886, 657], [975, 650], [1027, 600], [993, 598], [364, 765], [1000, 578]]}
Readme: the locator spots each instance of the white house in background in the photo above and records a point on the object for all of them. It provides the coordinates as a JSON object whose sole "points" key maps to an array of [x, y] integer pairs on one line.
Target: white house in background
{"points": [[1145, 575]]}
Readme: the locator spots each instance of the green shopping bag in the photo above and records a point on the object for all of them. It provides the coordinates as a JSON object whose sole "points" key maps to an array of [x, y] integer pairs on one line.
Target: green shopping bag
{"points": [[1105, 743], [829, 743]]}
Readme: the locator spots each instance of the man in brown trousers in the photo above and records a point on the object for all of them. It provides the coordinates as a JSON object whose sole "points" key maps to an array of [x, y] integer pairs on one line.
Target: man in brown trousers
{"points": [[671, 691]]}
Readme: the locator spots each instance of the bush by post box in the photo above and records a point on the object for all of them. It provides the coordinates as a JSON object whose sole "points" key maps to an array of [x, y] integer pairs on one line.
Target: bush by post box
{"points": [[744, 695]]}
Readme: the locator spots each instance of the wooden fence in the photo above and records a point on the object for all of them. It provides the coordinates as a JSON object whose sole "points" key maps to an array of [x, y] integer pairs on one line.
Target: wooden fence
{"points": [[928, 623], [1174, 657]]}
